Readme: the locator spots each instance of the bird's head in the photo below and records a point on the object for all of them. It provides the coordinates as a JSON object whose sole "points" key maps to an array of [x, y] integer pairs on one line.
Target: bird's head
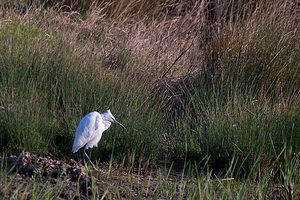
{"points": [[111, 118]]}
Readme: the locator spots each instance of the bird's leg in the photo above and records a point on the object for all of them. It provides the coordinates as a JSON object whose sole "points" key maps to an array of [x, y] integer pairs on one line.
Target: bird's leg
{"points": [[90, 161], [84, 161]]}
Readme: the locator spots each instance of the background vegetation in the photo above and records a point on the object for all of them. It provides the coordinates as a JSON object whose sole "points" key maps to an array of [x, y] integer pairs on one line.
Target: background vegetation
{"points": [[190, 80]]}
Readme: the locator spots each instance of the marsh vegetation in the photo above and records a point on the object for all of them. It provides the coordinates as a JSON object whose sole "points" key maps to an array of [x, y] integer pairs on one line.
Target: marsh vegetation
{"points": [[208, 91]]}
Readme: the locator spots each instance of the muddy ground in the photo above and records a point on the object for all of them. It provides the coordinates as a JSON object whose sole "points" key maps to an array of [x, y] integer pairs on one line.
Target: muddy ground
{"points": [[26, 167], [74, 182]]}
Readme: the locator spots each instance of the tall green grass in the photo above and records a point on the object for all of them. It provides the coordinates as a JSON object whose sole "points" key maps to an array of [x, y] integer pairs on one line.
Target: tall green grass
{"points": [[192, 182], [245, 101], [46, 90], [235, 96], [240, 126]]}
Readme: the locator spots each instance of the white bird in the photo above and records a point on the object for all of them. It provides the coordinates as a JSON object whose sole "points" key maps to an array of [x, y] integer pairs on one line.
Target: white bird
{"points": [[90, 129]]}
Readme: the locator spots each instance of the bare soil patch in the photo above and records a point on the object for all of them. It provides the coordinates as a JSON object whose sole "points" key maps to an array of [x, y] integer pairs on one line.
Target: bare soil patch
{"points": [[73, 180], [76, 182]]}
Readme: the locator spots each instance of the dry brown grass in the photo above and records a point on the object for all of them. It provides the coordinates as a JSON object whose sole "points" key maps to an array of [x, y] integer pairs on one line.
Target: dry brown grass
{"points": [[255, 44], [153, 44], [225, 70], [166, 38]]}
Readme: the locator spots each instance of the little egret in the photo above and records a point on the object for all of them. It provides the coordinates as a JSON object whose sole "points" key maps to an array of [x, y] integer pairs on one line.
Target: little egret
{"points": [[89, 131]]}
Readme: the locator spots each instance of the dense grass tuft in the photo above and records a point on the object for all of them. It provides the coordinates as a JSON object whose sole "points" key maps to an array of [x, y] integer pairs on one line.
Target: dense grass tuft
{"points": [[46, 91], [244, 101], [216, 81]]}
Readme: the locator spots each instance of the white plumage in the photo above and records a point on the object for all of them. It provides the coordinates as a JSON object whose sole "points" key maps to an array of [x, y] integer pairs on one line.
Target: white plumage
{"points": [[90, 129]]}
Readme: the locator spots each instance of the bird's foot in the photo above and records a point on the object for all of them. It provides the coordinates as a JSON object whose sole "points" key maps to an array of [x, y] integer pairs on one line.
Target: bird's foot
{"points": [[97, 169]]}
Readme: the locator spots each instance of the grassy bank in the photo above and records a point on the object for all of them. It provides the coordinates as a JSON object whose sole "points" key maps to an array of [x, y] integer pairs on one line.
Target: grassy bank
{"points": [[46, 91], [211, 82], [192, 182]]}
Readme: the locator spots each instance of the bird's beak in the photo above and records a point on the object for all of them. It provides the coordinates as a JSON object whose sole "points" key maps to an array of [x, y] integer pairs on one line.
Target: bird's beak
{"points": [[119, 123]]}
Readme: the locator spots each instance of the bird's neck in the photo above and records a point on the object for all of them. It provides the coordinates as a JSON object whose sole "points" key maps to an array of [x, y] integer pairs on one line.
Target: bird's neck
{"points": [[105, 120], [106, 124]]}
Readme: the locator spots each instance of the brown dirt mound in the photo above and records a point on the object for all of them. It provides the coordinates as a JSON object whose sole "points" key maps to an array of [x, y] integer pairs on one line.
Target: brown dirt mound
{"points": [[78, 182], [28, 166]]}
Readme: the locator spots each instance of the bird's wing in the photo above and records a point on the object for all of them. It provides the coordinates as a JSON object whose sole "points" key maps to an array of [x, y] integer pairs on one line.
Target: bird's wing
{"points": [[86, 130], [98, 121]]}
